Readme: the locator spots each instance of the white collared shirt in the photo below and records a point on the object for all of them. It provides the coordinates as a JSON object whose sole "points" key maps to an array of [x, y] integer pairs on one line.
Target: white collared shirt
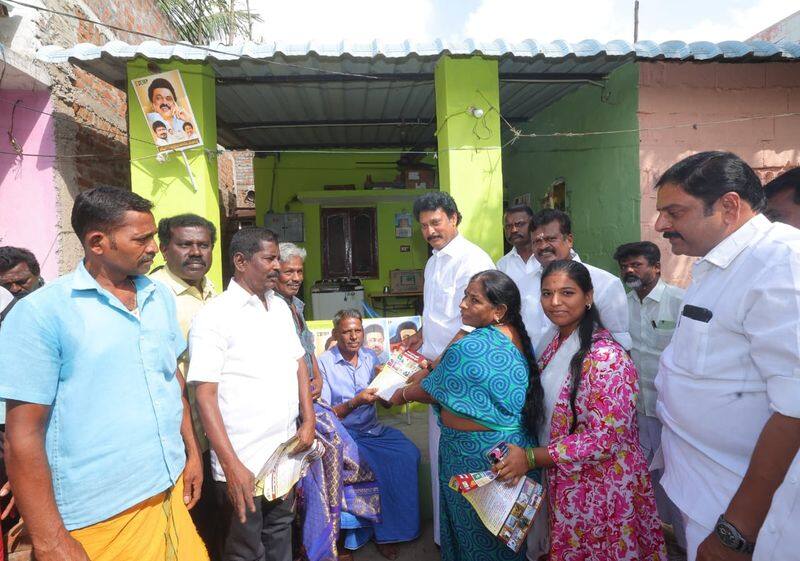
{"points": [[447, 275], [512, 264], [252, 353], [652, 322], [721, 379], [609, 297], [5, 298]]}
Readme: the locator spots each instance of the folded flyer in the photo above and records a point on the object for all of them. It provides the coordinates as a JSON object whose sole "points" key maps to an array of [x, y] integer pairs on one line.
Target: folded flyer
{"points": [[396, 371], [507, 511], [284, 468]]}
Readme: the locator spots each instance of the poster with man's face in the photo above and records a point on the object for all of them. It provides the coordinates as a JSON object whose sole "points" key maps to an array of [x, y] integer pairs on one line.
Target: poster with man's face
{"points": [[166, 108]]}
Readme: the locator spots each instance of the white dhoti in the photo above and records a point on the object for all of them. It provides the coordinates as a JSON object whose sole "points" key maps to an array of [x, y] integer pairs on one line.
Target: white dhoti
{"points": [[433, 452]]}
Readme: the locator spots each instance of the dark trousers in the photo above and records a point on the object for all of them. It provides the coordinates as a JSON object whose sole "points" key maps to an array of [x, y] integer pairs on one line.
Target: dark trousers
{"points": [[266, 534], [207, 514]]}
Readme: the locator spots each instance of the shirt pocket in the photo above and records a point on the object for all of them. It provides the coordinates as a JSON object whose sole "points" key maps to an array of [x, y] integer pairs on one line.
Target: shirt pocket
{"points": [[662, 337], [690, 342], [443, 302]]}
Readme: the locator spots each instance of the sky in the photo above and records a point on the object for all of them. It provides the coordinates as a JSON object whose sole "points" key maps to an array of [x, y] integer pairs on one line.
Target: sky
{"points": [[300, 21]]}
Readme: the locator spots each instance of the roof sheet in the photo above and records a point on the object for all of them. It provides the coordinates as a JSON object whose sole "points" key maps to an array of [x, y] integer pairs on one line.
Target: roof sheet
{"points": [[314, 94]]}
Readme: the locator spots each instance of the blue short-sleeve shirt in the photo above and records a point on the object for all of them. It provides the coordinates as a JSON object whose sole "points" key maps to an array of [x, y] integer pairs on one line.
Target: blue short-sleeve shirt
{"points": [[113, 437]]}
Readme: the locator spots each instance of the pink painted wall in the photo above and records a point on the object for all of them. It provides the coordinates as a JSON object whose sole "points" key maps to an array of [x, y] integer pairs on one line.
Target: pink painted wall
{"points": [[678, 93], [28, 216]]}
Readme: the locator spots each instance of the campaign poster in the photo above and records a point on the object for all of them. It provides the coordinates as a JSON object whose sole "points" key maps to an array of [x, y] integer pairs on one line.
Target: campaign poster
{"points": [[167, 110]]}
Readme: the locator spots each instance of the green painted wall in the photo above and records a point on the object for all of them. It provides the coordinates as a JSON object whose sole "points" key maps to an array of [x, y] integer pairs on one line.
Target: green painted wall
{"points": [[296, 173], [601, 172], [167, 183]]}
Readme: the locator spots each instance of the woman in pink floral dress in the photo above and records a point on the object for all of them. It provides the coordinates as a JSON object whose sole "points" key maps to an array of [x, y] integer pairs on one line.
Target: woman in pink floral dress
{"points": [[601, 501]]}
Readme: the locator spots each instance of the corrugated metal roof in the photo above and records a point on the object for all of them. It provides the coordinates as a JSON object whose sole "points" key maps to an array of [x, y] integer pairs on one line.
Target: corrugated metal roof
{"points": [[313, 94]]}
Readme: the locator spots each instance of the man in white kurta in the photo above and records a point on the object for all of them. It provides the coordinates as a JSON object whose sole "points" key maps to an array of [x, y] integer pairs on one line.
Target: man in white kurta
{"points": [[729, 383], [454, 261], [520, 261], [552, 241], [654, 307]]}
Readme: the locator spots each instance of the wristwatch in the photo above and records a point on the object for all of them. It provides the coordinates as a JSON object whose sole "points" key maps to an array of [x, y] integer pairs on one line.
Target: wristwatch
{"points": [[731, 537]]}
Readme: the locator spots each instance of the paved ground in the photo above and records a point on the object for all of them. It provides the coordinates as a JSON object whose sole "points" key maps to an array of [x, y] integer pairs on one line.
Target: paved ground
{"points": [[423, 548]]}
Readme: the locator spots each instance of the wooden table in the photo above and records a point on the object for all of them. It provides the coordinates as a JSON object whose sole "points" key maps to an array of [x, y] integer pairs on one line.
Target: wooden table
{"points": [[412, 300]]}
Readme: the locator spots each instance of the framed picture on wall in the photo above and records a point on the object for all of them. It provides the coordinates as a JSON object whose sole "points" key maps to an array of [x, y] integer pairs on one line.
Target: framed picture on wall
{"points": [[402, 225]]}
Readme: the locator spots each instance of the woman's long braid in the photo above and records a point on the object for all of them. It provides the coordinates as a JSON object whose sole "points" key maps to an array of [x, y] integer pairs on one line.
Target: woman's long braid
{"points": [[589, 322], [532, 412]]}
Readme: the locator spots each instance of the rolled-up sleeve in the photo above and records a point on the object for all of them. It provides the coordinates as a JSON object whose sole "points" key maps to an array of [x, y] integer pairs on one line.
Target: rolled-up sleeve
{"points": [[30, 356], [772, 324], [207, 346]]}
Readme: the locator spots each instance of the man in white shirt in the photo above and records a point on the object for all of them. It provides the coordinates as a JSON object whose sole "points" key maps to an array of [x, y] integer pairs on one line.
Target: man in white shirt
{"points": [[454, 261], [552, 241], [247, 363], [729, 383], [519, 262], [653, 308]]}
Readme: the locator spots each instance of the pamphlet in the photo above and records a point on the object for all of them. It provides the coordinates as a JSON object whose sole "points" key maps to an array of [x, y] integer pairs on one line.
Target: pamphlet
{"points": [[507, 511], [285, 468], [396, 372]]}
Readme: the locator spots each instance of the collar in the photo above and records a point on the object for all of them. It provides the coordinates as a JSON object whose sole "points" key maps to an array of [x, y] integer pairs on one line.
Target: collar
{"points": [[83, 280], [337, 355], [452, 248], [572, 255], [180, 286], [723, 254], [657, 292], [242, 297]]}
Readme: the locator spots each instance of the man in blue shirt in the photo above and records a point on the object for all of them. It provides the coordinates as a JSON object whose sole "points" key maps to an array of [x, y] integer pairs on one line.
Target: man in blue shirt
{"points": [[347, 370], [101, 453]]}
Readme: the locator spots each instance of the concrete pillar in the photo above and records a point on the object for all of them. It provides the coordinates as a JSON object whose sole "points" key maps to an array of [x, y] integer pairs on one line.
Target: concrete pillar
{"points": [[167, 183], [470, 163]]}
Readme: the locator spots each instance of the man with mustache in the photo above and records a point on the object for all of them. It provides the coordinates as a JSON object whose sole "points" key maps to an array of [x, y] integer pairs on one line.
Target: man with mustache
{"points": [[654, 308], [165, 106], [552, 241], [453, 262], [187, 242], [252, 391], [519, 262], [729, 383], [102, 457]]}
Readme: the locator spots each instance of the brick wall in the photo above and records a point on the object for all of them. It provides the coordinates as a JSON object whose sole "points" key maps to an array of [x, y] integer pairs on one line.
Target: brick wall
{"points": [[236, 179], [92, 115]]}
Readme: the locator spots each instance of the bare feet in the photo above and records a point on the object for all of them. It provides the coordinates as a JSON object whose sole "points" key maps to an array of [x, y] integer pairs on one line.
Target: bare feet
{"points": [[388, 550]]}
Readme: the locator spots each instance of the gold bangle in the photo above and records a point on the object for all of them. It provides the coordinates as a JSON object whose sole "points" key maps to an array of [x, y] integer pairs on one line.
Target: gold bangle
{"points": [[531, 458]]}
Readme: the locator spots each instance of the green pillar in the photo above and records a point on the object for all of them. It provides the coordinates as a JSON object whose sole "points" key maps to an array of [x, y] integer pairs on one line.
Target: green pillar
{"points": [[167, 183], [470, 163]]}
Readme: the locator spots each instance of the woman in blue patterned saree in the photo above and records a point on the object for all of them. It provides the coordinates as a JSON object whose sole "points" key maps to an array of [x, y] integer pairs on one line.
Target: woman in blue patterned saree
{"points": [[485, 389]]}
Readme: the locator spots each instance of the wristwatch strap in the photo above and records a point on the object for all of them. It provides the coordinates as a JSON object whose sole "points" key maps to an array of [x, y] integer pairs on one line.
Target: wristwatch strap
{"points": [[743, 546]]}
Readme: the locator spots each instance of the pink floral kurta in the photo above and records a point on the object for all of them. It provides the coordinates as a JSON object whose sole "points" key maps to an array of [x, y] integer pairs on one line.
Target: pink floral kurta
{"points": [[602, 506]]}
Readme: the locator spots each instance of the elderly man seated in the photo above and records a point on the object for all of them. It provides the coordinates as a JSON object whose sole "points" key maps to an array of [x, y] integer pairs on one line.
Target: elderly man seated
{"points": [[347, 369]]}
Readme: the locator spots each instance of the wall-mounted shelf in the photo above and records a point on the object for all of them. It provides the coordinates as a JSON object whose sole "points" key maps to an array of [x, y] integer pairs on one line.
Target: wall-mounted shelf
{"points": [[359, 196]]}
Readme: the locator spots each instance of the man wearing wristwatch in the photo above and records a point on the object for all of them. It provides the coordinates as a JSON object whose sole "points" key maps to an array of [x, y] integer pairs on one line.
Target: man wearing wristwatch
{"points": [[728, 383]]}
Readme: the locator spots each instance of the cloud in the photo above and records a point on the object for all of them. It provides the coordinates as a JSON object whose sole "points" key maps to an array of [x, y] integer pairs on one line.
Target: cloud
{"points": [[349, 20], [730, 23], [571, 20]]}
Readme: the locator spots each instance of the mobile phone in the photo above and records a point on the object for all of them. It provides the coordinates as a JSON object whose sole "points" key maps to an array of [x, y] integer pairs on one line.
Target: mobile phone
{"points": [[498, 452]]}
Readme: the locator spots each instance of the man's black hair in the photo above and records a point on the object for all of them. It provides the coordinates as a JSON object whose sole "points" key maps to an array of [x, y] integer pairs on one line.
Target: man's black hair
{"points": [[248, 240], [786, 180], [187, 123], [166, 225], [157, 124], [648, 250], [548, 215], [519, 208], [160, 83], [11, 256], [102, 208], [434, 201], [709, 175], [374, 328]]}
